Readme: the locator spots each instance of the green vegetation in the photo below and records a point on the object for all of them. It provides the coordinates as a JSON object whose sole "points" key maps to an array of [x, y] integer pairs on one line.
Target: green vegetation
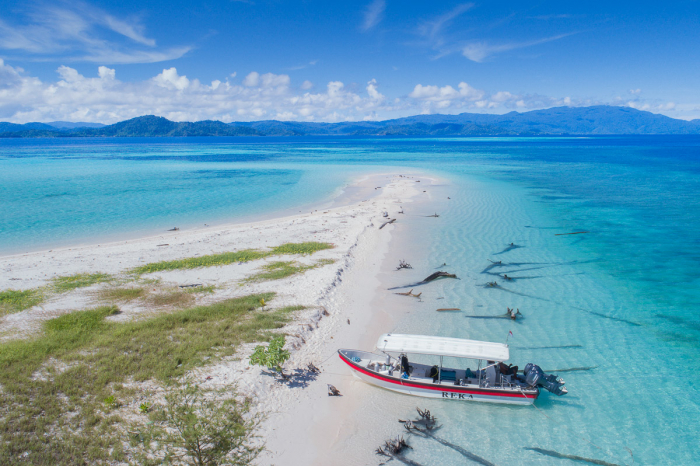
{"points": [[80, 280], [64, 419], [300, 248], [200, 289], [203, 261], [231, 257], [192, 428], [271, 356], [281, 269], [12, 301], [122, 294], [174, 298]]}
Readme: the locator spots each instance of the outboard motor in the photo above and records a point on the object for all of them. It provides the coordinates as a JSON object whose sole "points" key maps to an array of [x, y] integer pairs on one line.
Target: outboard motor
{"points": [[535, 376]]}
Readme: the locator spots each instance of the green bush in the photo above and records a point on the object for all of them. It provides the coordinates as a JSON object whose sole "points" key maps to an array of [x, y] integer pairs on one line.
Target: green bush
{"points": [[192, 428], [271, 356]]}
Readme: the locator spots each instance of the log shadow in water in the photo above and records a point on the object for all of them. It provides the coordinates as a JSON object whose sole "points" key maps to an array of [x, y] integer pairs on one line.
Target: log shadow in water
{"points": [[510, 247], [556, 454], [548, 347], [691, 324]]}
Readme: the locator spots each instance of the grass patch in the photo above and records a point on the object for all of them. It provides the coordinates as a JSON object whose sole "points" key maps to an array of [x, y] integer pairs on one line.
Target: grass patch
{"points": [[227, 258], [300, 248], [203, 261], [200, 289], [12, 301], [283, 269], [79, 280], [171, 298], [100, 356], [122, 294]]}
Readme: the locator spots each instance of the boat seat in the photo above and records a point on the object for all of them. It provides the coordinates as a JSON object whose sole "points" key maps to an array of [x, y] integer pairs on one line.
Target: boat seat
{"points": [[449, 375]]}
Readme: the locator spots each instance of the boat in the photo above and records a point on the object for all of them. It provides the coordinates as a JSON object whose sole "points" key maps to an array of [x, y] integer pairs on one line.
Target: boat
{"points": [[490, 380]]}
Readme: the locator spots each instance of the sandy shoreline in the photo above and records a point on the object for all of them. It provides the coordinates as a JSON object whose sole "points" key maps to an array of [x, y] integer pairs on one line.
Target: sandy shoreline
{"points": [[303, 423]]}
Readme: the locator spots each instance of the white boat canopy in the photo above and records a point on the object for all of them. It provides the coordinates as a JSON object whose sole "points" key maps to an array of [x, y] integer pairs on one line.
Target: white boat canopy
{"points": [[443, 346]]}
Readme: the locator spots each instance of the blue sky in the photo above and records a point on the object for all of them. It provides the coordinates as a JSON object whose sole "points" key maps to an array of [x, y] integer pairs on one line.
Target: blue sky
{"points": [[328, 61]]}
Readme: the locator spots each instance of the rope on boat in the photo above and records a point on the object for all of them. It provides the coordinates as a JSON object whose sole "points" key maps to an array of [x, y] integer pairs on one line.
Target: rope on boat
{"points": [[575, 433]]}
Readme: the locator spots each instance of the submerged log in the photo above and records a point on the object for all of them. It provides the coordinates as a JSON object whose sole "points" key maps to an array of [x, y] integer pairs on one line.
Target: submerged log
{"points": [[448, 309], [387, 223], [436, 275]]}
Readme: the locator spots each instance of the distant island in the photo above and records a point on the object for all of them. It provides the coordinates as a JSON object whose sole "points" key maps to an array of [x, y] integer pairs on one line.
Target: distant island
{"points": [[596, 120]]}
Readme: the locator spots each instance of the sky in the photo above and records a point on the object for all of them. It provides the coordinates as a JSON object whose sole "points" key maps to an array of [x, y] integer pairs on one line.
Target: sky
{"points": [[242, 60]]}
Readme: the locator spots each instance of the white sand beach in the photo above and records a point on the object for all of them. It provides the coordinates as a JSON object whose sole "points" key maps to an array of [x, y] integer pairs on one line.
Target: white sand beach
{"points": [[344, 305]]}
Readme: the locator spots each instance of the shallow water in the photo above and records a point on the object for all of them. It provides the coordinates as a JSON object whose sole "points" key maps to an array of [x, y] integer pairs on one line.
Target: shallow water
{"points": [[621, 300]]}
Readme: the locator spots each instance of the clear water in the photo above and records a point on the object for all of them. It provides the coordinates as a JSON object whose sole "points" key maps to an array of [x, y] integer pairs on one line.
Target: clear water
{"points": [[623, 298]]}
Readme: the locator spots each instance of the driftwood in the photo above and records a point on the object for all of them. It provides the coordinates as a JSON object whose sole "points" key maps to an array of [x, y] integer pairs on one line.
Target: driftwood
{"points": [[332, 391], [312, 368], [159, 245], [403, 265], [393, 447], [434, 215], [191, 286], [174, 229], [448, 309], [574, 233], [410, 293], [387, 223], [513, 314], [436, 275]]}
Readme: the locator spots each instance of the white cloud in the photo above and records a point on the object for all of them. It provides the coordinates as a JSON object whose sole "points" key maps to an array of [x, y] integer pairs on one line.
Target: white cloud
{"points": [[253, 79], [373, 14], [106, 99], [306, 85], [373, 92], [434, 27], [106, 73], [635, 91], [478, 51], [80, 32], [170, 79], [651, 107]]}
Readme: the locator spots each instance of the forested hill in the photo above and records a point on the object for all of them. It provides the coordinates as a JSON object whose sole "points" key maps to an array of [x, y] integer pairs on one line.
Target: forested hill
{"points": [[598, 120]]}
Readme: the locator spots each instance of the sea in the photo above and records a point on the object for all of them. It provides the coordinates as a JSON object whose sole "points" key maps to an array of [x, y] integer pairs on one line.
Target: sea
{"points": [[613, 309]]}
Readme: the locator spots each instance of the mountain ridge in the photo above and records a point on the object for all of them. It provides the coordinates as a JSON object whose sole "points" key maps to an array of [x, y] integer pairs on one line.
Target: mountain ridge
{"points": [[595, 120]]}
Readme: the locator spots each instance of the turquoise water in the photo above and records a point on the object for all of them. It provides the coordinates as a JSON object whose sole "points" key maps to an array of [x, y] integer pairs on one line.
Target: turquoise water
{"points": [[620, 301]]}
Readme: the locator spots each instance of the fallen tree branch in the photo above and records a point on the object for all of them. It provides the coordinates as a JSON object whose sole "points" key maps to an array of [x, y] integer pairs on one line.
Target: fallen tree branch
{"points": [[410, 293]]}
